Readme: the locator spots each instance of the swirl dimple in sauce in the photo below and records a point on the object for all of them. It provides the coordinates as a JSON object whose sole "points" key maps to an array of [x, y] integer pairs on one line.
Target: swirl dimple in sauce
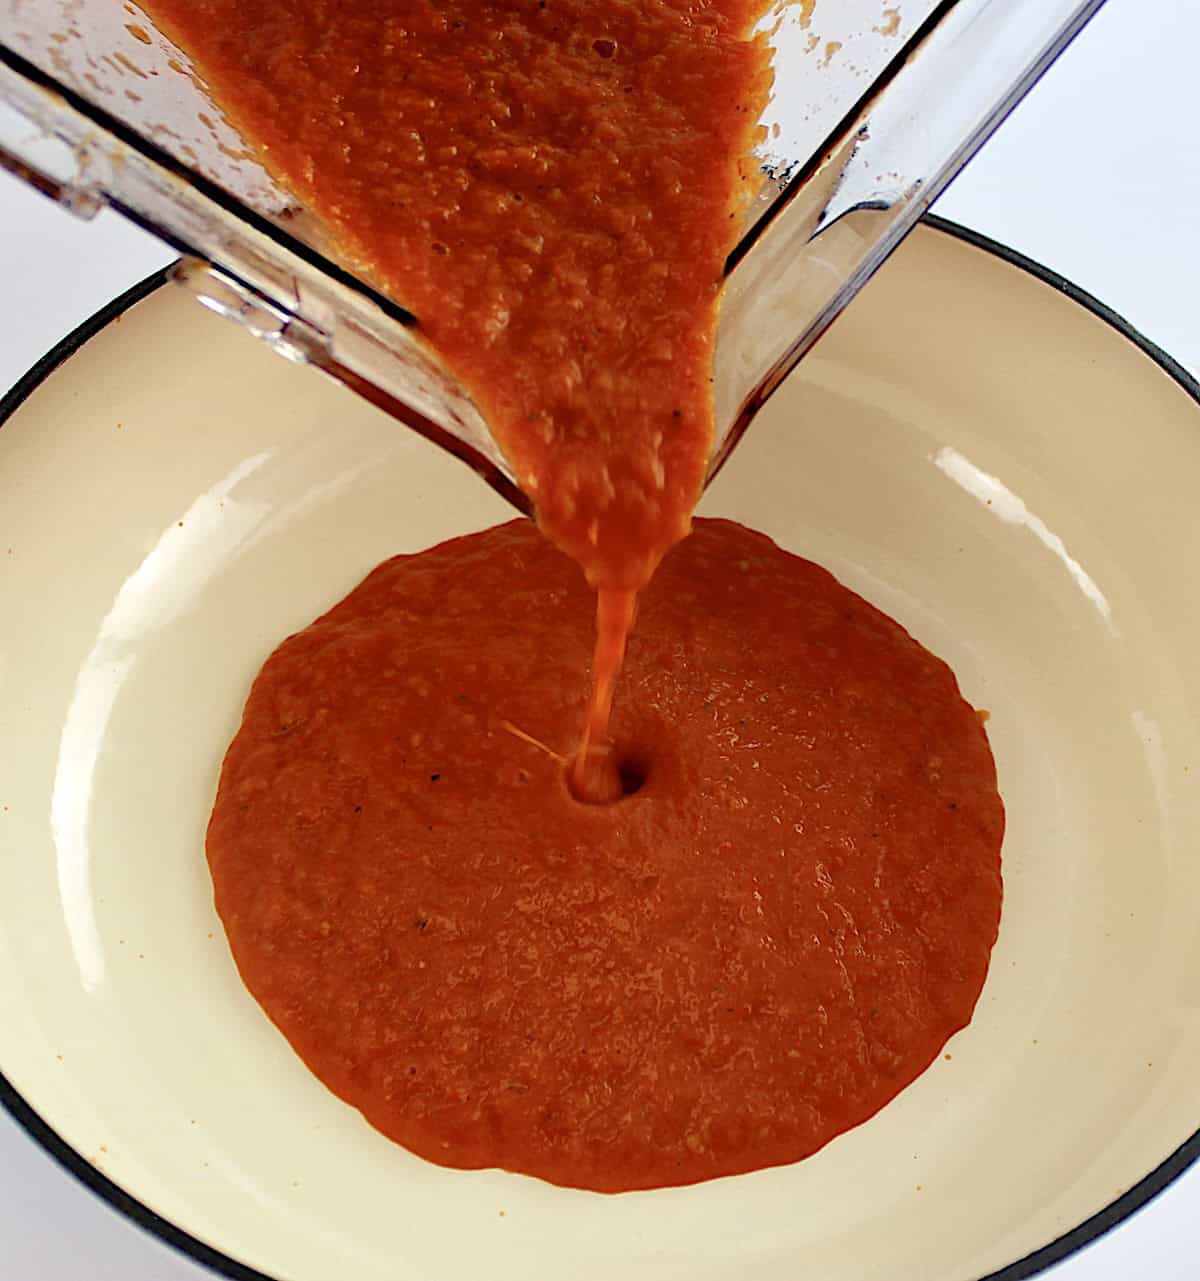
{"points": [[750, 899]]}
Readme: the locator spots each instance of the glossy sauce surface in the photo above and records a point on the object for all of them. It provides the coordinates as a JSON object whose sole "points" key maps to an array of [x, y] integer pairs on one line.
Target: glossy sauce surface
{"points": [[754, 951]]}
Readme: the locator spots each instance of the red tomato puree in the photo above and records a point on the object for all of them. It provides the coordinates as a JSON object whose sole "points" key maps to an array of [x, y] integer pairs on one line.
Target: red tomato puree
{"points": [[756, 949], [789, 905]]}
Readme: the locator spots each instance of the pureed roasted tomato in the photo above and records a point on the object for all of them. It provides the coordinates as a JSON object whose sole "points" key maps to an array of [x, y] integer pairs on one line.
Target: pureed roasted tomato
{"points": [[789, 904]]}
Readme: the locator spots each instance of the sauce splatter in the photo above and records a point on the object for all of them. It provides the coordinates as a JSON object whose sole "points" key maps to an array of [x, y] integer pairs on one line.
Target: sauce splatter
{"points": [[890, 23]]}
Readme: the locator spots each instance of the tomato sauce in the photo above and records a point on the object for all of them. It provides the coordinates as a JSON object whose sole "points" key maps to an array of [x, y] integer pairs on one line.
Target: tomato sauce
{"points": [[768, 937], [787, 905]]}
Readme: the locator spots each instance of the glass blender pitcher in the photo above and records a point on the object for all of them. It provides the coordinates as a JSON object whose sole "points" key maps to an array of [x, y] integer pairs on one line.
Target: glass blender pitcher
{"points": [[875, 108]]}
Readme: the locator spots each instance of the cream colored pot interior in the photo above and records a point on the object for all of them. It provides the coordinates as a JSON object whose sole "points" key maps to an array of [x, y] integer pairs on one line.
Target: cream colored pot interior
{"points": [[968, 448]]}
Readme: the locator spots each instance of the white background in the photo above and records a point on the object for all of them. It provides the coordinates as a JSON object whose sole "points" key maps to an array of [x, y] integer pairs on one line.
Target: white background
{"points": [[1097, 175]]}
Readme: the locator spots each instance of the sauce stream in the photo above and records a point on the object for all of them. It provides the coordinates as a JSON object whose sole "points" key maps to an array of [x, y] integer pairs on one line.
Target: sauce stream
{"points": [[595, 772]]}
